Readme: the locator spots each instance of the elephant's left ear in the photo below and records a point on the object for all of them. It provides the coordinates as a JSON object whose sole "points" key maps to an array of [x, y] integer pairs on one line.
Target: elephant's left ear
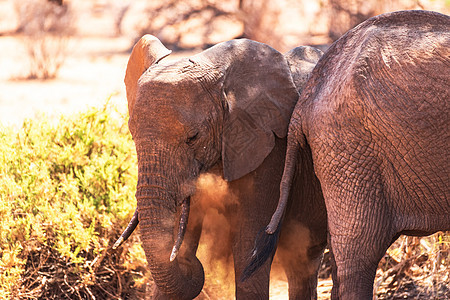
{"points": [[147, 51], [259, 96]]}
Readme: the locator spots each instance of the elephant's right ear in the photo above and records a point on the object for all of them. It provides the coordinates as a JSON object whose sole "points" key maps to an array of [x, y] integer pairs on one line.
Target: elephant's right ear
{"points": [[147, 51]]}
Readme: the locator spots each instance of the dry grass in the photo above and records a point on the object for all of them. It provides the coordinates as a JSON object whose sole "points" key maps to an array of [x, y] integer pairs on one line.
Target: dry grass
{"points": [[415, 268]]}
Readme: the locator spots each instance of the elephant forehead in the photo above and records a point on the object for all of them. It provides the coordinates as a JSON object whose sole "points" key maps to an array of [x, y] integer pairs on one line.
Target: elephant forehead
{"points": [[168, 87], [167, 80], [171, 72], [158, 121], [170, 109], [173, 83], [172, 89]]}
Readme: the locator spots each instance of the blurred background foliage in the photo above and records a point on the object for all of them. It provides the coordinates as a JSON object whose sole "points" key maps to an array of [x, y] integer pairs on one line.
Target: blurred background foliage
{"points": [[283, 24], [46, 25], [188, 24]]}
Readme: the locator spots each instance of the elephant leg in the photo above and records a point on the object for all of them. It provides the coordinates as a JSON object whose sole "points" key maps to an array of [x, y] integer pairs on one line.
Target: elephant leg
{"points": [[301, 257], [257, 286], [247, 222], [301, 274], [256, 199], [335, 288], [355, 276], [359, 240]]}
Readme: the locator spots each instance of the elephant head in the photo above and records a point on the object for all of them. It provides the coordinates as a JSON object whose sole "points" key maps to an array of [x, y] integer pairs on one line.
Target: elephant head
{"points": [[222, 106], [302, 61]]}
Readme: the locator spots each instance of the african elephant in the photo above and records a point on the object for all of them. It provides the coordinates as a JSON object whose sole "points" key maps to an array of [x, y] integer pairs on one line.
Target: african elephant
{"points": [[226, 109], [374, 117]]}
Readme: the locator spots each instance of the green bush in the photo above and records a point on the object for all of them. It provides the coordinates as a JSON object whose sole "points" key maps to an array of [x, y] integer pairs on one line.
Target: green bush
{"points": [[66, 193]]}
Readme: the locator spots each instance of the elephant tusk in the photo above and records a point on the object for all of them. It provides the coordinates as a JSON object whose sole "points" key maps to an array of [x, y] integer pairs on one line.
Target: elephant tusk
{"points": [[185, 206], [128, 231]]}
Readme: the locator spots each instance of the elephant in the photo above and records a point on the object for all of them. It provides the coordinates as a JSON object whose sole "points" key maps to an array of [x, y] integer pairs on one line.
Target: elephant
{"points": [[225, 110], [374, 119]]}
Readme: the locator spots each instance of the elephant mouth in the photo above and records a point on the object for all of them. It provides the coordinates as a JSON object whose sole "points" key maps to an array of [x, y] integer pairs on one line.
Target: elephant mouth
{"points": [[184, 216]]}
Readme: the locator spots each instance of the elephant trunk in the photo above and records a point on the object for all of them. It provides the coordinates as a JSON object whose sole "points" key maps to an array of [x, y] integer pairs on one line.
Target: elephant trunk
{"points": [[179, 277]]}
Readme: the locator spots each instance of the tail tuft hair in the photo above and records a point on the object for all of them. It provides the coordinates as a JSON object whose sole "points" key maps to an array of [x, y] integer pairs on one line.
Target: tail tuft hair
{"points": [[265, 246]]}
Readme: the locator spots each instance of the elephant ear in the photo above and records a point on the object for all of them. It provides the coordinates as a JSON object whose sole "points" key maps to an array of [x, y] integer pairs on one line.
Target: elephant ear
{"points": [[259, 97], [302, 61], [147, 51]]}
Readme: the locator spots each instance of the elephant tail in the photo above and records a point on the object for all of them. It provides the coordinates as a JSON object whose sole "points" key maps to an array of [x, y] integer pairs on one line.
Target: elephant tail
{"points": [[267, 239], [265, 246], [285, 185]]}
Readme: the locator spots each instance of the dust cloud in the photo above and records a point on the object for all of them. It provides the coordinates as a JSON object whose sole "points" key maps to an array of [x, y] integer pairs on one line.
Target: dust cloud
{"points": [[211, 199], [293, 249], [291, 260], [213, 192]]}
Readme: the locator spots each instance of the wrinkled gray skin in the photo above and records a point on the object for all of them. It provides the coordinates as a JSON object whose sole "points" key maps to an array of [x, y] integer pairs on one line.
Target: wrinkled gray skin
{"points": [[225, 109], [375, 117]]}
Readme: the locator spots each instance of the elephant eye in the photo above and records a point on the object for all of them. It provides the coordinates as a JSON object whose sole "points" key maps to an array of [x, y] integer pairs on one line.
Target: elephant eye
{"points": [[192, 138]]}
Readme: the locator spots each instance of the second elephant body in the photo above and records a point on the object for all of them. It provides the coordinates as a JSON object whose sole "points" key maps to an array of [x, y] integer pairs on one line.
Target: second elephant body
{"points": [[374, 118]]}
